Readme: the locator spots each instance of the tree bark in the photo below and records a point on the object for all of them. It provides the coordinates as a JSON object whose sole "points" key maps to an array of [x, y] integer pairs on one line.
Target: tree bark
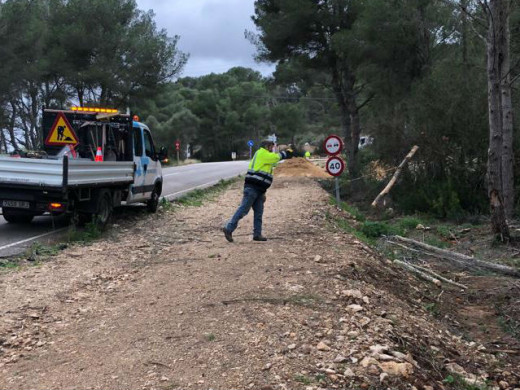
{"points": [[12, 123], [494, 59], [343, 84], [3, 144], [508, 182], [464, 38]]}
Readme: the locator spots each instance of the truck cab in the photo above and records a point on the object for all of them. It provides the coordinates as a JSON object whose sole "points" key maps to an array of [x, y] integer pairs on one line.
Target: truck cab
{"points": [[147, 186]]}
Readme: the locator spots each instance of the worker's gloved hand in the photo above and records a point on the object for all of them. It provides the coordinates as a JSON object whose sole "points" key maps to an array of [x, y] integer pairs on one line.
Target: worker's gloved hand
{"points": [[289, 153], [264, 198]]}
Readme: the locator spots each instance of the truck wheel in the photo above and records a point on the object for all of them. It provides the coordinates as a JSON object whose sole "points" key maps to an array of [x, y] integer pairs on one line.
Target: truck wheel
{"points": [[153, 203], [103, 209], [16, 217]]}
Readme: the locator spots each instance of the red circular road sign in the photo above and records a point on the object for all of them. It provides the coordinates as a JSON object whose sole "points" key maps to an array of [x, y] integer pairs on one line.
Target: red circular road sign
{"points": [[177, 145], [335, 166], [333, 145]]}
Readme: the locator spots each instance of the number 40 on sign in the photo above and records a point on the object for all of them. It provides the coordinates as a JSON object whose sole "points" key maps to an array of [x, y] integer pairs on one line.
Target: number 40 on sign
{"points": [[335, 166]]}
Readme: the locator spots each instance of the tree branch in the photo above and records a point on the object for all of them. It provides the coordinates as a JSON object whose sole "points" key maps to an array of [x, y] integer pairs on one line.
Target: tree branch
{"points": [[372, 95]]}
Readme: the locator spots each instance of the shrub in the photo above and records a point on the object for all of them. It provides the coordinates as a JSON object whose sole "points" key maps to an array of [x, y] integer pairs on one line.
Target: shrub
{"points": [[378, 229]]}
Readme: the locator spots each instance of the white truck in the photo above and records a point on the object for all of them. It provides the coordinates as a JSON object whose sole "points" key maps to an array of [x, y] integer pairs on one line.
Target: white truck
{"points": [[93, 160]]}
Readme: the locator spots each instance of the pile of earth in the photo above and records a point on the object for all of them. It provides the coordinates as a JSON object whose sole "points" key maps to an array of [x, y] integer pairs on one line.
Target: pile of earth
{"points": [[300, 167]]}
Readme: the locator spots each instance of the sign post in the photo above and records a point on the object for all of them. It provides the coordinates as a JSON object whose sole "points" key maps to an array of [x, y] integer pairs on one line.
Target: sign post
{"points": [[335, 166], [250, 143], [177, 148]]}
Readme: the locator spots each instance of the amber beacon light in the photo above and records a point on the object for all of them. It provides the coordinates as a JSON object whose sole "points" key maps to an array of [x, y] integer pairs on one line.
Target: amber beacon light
{"points": [[95, 109]]}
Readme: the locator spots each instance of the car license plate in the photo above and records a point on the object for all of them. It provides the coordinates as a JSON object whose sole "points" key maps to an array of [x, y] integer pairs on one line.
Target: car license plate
{"points": [[16, 204]]}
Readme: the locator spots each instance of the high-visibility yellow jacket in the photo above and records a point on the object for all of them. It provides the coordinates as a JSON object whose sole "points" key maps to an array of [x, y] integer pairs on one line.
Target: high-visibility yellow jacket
{"points": [[260, 172]]}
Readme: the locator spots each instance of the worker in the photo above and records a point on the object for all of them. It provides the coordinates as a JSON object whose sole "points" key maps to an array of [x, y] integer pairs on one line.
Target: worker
{"points": [[307, 155], [258, 179]]}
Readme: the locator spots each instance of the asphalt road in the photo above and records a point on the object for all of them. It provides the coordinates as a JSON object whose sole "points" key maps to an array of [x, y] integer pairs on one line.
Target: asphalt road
{"points": [[178, 181]]}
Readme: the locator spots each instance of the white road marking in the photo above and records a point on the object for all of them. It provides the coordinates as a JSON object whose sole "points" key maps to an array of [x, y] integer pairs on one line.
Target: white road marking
{"points": [[30, 239]]}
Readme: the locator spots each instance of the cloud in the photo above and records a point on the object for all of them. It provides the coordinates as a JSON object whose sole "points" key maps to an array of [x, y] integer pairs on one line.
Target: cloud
{"points": [[211, 31]]}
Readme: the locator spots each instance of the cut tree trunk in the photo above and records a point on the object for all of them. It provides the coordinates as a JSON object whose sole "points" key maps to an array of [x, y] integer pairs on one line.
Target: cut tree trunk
{"points": [[459, 258], [394, 178]]}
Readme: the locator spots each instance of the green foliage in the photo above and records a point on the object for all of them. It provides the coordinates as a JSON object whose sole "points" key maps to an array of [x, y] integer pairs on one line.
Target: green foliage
{"points": [[303, 379], [210, 336], [433, 241], [443, 199], [89, 233], [455, 381], [433, 309], [510, 326], [378, 229], [409, 223], [61, 52], [9, 265], [345, 225], [165, 204], [352, 210]]}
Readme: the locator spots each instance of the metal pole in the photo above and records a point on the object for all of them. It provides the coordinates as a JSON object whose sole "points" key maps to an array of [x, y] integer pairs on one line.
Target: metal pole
{"points": [[338, 200], [250, 151], [178, 157]]}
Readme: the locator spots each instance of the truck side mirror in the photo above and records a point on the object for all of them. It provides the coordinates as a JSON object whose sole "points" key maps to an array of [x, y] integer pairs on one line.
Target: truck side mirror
{"points": [[163, 155]]}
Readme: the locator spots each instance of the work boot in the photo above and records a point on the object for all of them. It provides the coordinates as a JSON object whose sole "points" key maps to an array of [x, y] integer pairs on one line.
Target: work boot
{"points": [[227, 234], [259, 238]]}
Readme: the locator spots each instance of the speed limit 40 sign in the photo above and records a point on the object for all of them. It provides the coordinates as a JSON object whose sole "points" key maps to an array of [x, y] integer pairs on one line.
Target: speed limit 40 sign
{"points": [[335, 166]]}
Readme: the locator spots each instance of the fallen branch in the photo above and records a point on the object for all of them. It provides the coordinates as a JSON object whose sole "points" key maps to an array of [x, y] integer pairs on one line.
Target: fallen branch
{"points": [[394, 178], [403, 246], [441, 278], [419, 273], [459, 258]]}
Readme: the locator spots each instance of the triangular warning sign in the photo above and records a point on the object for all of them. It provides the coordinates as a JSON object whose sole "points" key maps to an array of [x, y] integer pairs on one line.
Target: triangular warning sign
{"points": [[61, 132]]}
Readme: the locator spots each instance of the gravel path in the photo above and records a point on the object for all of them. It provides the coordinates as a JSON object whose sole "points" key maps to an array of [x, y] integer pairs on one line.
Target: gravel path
{"points": [[167, 303]]}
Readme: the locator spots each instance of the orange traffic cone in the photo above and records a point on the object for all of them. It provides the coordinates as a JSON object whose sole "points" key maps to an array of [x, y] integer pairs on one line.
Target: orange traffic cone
{"points": [[99, 154]]}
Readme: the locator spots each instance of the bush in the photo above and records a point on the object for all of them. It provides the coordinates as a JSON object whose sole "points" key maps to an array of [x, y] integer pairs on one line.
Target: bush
{"points": [[409, 223], [378, 229]]}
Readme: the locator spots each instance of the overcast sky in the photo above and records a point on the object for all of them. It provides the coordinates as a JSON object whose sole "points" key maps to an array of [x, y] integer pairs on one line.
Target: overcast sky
{"points": [[211, 31]]}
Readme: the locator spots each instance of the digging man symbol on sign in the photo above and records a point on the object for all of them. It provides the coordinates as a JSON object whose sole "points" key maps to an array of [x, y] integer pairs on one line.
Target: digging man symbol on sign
{"points": [[61, 133]]}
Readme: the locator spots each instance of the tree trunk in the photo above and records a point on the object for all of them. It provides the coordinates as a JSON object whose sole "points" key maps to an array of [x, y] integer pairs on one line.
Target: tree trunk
{"points": [[494, 58], [355, 134], [464, 38], [12, 122], [343, 84], [3, 144], [508, 181]]}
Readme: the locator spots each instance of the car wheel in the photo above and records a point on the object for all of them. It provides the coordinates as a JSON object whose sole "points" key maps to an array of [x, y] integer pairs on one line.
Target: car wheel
{"points": [[16, 217], [153, 203]]}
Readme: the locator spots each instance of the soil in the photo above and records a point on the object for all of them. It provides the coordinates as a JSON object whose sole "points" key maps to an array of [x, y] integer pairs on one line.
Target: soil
{"points": [[165, 302], [300, 167]]}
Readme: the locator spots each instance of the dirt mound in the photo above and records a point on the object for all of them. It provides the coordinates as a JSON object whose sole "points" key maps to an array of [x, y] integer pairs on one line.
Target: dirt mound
{"points": [[300, 167]]}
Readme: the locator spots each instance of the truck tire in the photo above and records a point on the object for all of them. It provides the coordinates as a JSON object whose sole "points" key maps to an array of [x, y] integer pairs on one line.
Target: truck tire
{"points": [[12, 216], [103, 209], [153, 203]]}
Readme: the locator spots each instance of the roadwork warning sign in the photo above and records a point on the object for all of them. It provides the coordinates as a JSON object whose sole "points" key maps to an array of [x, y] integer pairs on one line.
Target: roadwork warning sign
{"points": [[61, 132]]}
